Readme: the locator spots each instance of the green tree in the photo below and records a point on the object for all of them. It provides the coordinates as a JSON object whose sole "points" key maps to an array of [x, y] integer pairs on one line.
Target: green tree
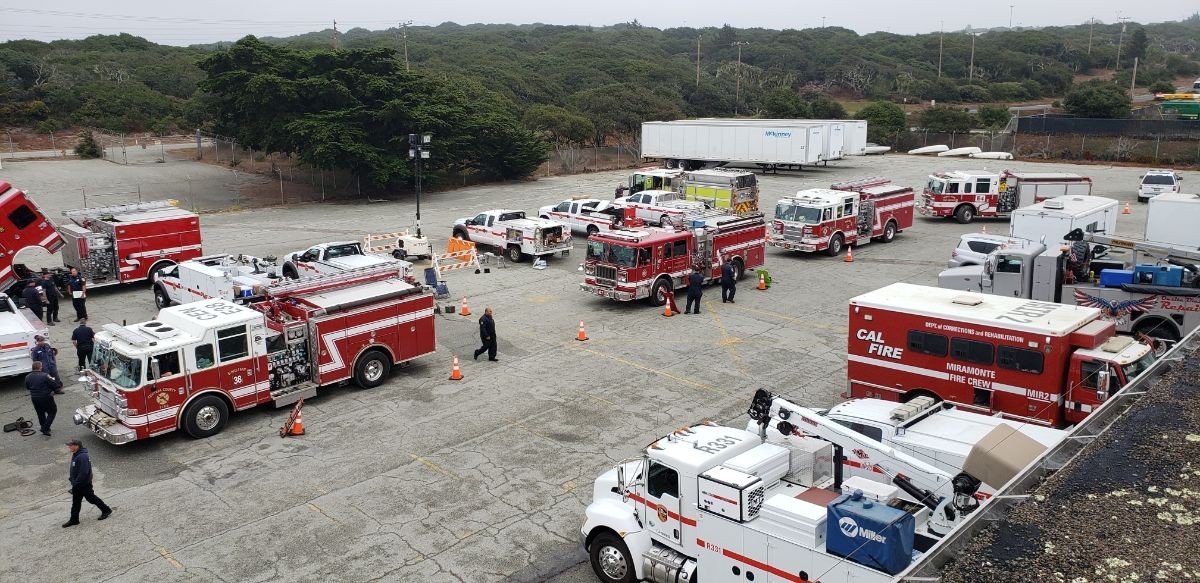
{"points": [[824, 107], [617, 110], [943, 118], [884, 121], [1097, 98], [559, 125], [87, 146], [993, 117], [785, 104], [1162, 87], [1138, 43]]}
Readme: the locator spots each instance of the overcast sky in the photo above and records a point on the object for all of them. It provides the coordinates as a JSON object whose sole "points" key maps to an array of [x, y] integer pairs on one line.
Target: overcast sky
{"points": [[182, 23]]}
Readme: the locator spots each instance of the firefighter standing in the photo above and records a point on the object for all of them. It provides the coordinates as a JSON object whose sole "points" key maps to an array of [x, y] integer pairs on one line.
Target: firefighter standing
{"points": [[33, 298], [694, 290], [52, 294], [728, 283], [83, 338], [41, 389], [78, 288], [487, 335], [81, 483]]}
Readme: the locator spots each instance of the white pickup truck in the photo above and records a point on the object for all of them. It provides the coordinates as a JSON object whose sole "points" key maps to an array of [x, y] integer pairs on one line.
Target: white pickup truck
{"points": [[514, 235], [239, 278], [660, 206], [18, 326], [335, 257], [587, 215]]}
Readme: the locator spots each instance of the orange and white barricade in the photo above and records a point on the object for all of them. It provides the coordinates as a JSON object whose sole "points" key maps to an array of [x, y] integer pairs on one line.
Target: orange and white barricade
{"points": [[459, 254]]}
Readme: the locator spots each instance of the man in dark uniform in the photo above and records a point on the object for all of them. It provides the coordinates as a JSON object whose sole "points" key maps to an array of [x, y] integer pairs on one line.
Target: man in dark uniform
{"points": [[41, 391], [695, 290], [81, 484], [487, 335], [83, 338], [78, 290], [50, 290], [33, 299], [728, 283]]}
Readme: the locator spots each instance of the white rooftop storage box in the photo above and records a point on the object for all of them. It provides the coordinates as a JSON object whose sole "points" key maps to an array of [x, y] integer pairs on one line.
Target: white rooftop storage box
{"points": [[1173, 218], [1055, 217]]}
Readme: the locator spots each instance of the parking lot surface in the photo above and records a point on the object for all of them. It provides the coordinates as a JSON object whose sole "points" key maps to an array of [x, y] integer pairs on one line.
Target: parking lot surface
{"points": [[425, 479]]}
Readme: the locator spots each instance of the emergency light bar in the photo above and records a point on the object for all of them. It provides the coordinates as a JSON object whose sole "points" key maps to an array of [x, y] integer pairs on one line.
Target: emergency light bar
{"points": [[859, 184], [128, 336], [100, 211]]}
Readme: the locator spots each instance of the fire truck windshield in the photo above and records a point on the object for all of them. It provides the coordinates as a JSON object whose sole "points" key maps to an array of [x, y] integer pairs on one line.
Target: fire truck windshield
{"points": [[609, 253], [1136, 367], [122, 370], [804, 215], [936, 186]]}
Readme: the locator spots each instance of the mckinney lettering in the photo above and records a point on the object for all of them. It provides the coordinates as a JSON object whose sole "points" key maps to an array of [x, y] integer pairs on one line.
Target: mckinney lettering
{"points": [[777, 134], [971, 370]]}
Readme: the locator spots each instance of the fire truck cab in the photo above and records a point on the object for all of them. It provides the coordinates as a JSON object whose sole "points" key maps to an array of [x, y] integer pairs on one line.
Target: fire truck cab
{"points": [[965, 195], [850, 214], [1038, 362], [22, 225]]}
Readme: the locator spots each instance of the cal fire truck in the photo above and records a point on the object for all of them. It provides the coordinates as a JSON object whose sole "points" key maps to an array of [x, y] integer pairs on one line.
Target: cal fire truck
{"points": [[195, 363], [240, 279], [729, 505], [22, 225], [848, 213], [965, 195], [1032, 361], [513, 235], [640, 262]]}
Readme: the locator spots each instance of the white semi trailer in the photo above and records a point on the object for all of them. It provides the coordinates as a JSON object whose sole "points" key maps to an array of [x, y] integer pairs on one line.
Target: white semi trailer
{"points": [[769, 144]]}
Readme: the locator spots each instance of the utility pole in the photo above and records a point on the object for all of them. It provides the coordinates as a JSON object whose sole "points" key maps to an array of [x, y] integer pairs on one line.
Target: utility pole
{"points": [[1120, 41], [737, 95], [1010, 10], [971, 68], [404, 37], [698, 59], [335, 36], [1091, 27], [822, 22], [941, 34], [1133, 80]]}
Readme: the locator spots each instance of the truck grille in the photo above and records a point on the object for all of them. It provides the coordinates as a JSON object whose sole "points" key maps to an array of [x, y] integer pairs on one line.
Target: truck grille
{"points": [[606, 276], [793, 232], [107, 401], [927, 200]]}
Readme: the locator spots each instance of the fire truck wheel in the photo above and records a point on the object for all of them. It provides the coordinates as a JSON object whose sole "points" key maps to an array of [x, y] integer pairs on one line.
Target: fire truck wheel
{"points": [[610, 559], [156, 268], [289, 272], [161, 299], [739, 269], [835, 245], [664, 221], [206, 416], [372, 369], [514, 253], [592, 230], [889, 232], [658, 294], [964, 214]]}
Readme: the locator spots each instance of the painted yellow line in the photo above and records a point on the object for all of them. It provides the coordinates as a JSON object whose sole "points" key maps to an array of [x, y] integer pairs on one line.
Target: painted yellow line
{"points": [[597, 397], [727, 341], [318, 510], [520, 425], [164, 553], [434, 467], [640, 366]]}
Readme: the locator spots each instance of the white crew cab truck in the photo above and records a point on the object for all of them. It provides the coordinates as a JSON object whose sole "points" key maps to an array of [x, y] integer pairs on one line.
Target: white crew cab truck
{"points": [[585, 215], [514, 235], [660, 206], [239, 279], [18, 326], [335, 257]]}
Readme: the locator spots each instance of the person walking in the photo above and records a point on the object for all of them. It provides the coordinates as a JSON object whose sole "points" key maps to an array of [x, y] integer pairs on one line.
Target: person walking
{"points": [[47, 355], [81, 484], [487, 335], [83, 338], [33, 298], [50, 290], [695, 290], [41, 389], [728, 282], [77, 287]]}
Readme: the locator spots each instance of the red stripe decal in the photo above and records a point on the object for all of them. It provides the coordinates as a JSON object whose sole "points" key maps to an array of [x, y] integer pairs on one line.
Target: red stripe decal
{"points": [[13, 345], [753, 563], [683, 519]]}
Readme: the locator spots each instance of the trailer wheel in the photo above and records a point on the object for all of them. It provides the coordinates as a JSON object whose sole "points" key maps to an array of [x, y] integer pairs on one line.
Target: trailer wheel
{"points": [[206, 416], [610, 559], [964, 214], [400, 254], [161, 299], [289, 271], [372, 368], [592, 230], [514, 253], [889, 232], [658, 294], [835, 245]]}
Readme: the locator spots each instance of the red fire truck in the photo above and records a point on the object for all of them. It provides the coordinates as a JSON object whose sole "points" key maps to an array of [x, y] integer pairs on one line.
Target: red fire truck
{"points": [[965, 195], [1039, 362], [22, 225], [195, 363], [129, 242], [639, 262], [849, 213]]}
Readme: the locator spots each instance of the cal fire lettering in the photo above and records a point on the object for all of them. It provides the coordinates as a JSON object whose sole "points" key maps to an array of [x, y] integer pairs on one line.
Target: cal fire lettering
{"points": [[878, 346], [718, 444]]}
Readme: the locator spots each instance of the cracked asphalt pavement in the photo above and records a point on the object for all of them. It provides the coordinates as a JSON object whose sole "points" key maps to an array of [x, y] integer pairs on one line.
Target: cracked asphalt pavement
{"points": [[426, 479]]}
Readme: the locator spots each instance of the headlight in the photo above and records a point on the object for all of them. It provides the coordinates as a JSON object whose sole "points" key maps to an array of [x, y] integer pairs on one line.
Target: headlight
{"points": [[622, 276], [589, 269], [121, 400]]}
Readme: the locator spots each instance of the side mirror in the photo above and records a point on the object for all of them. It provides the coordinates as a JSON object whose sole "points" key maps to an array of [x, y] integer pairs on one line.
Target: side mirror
{"points": [[1102, 381], [469, 222], [154, 370]]}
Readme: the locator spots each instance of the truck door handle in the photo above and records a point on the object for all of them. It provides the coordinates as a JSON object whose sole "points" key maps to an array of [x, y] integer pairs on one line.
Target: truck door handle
{"points": [[675, 533]]}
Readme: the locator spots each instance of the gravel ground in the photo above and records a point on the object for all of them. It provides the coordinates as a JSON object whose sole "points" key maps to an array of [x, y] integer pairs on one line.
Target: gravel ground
{"points": [[1127, 509]]}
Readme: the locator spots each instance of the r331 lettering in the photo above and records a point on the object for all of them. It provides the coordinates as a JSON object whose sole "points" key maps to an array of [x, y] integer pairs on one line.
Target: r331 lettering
{"points": [[718, 444]]}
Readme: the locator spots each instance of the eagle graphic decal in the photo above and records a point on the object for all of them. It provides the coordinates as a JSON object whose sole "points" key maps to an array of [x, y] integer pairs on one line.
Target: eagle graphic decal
{"points": [[1114, 309]]}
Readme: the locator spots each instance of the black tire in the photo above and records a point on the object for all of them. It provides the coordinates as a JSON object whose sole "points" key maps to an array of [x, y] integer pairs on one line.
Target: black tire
{"points": [[664, 221], [964, 214], [206, 416], [513, 253], [161, 299], [835, 245], [372, 369], [1160, 331], [155, 268], [461, 234], [658, 293], [610, 559], [289, 271], [592, 230], [739, 269], [889, 232], [400, 254]]}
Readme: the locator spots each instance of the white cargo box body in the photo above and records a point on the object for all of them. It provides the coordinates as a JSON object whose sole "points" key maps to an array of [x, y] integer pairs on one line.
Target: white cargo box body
{"points": [[209, 282], [715, 141], [1056, 217], [787, 517], [871, 489], [1173, 218], [730, 493]]}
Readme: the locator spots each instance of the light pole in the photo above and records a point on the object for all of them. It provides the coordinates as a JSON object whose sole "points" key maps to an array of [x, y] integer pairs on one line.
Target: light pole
{"points": [[1120, 41], [737, 93], [941, 34], [698, 59], [418, 149], [1010, 10], [971, 68]]}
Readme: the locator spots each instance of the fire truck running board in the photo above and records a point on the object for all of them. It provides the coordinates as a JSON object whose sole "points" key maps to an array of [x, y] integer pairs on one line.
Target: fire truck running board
{"points": [[288, 395]]}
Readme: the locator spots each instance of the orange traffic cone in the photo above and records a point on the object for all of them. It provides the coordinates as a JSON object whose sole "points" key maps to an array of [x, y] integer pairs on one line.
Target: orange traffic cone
{"points": [[1126, 211], [667, 308], [582, 334], [455, 372], [298, 426], [849, 254], [762, 281], [466, 310]]}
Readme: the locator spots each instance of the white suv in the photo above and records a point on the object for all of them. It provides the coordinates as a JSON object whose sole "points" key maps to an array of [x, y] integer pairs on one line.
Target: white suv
{"points": [[1156, 182], [973, 248]]}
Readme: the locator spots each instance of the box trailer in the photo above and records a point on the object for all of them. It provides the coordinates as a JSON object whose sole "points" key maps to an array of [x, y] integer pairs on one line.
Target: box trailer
{"points": [[771, 144], [850, 138], [1056, 217], [1172, 219]]}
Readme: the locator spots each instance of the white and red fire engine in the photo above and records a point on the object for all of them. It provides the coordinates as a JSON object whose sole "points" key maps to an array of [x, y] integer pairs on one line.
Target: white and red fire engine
{"points": [[1028, 360], [22, 225], [965, 195], [641, 262], [194, 364], [848, 213], [129, 242]]}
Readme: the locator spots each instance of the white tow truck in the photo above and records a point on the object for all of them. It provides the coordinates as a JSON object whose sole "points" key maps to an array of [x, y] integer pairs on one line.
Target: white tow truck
{"points": [[731, 504], [236, 278], [586, 215], [514, 235], [18, 326], [660, 207], [335, 257]]}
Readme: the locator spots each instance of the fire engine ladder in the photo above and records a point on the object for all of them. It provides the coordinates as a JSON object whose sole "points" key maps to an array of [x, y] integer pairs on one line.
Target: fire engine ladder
{"points": [[317, 283], [860, 184], [104, 211], [1158, 251]]}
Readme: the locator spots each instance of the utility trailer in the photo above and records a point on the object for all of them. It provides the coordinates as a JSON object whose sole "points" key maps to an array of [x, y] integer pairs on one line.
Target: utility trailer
{"points": [[769, 144]]}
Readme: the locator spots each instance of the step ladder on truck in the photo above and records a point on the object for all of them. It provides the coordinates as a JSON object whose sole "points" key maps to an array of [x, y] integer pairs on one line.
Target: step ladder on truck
{"points": [[194, 364]]}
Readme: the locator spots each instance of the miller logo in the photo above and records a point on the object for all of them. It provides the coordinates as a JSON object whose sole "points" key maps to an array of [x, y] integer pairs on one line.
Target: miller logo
{"points": [[851, 529], [662, 513]]}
